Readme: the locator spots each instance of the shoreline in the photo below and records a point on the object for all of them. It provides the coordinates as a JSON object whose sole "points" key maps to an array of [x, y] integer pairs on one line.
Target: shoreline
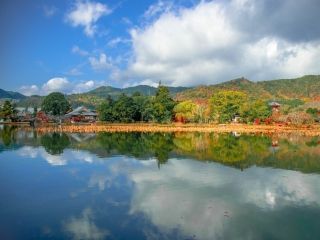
{"points": [[305, 130]]}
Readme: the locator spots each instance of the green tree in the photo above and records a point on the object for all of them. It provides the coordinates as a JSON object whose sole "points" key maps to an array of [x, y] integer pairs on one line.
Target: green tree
{"points": [[124, 109], [163, 105], [226, 104], [257, 110], [313, 112], [143, 108], [55, 103], [8, 110], [35, 111], [186, 111], [105, 110]]}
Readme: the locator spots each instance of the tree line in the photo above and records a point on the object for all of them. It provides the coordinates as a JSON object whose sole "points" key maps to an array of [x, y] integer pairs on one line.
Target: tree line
{"points": [[138, 108], [224, 106]]}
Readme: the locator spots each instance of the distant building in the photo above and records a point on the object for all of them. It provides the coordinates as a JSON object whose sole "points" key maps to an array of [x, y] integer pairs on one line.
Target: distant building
{"points": [[236, 118], [275, 106], [25, 114], [29, 110], [81, 114]]}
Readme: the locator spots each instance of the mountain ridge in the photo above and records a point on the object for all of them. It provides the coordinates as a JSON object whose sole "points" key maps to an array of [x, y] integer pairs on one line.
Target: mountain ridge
{"points": [[305, 87], [11, 95]]}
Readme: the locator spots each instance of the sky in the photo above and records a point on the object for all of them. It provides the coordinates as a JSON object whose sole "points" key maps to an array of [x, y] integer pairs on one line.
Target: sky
{"points": [[75, 46]]}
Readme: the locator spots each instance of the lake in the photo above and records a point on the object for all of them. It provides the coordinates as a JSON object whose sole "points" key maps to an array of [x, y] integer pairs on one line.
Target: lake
{"points": [[158, 186]]}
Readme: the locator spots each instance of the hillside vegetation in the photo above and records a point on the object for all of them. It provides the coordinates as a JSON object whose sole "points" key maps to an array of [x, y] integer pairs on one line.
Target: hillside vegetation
{"points": [[95, 97], [306, 87]]}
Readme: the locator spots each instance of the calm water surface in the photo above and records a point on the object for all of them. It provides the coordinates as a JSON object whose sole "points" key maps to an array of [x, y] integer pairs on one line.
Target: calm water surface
{"points": [[158, 186]]}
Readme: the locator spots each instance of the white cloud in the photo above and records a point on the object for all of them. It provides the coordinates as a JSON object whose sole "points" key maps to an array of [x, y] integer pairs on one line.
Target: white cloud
{"points": [[101, 63], [58, 160], [158, 8], [86, 14], [84, 227], [53, 160], [205, 44], [74, 72], [118, 40], [206, 193], [61, 84], [29, 90], [28, 151], [58, 84], [77, 50], [101, 181], [49, 11], [84, 87], [126, 21]]}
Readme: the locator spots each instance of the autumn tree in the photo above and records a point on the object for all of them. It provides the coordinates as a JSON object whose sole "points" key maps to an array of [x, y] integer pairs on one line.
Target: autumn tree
{"points": [[226, 104], [186, 111], [256, 110], [297, 118]]}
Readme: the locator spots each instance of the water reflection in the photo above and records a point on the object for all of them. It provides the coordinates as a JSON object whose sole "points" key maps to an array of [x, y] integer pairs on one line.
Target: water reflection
{"points": [[286, 152], [205, 200], [83, 227], [109, 186], [55, 143], [7, 135]]}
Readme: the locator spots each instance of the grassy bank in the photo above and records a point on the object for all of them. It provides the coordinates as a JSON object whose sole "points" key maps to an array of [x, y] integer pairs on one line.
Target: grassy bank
{"points": [[310, 130]]}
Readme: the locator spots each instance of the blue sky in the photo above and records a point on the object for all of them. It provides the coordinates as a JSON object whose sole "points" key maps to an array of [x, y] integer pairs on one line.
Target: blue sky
{"points": [[76, 45]]}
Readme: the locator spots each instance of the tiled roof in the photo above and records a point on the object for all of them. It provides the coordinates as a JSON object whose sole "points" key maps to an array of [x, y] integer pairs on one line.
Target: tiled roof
{"points": [[81, 111]]}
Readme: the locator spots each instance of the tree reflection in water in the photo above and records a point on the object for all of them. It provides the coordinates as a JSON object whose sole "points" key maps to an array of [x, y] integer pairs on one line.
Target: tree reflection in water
{"points": [[7, 135], [55, 143], [290, 152]]}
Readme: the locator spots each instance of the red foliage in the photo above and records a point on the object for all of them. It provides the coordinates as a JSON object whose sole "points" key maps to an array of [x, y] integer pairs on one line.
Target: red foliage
{"points": [[41, 116], [199, 101], [268, 121], [180, 119], [257, 121]]}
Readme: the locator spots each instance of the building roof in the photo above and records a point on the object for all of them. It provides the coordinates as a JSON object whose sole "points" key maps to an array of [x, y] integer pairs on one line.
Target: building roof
{"points": [[83, 111], [274, 104]]}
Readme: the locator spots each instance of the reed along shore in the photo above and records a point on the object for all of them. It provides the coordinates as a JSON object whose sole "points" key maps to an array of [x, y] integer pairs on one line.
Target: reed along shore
{"points": [[306, 130]]}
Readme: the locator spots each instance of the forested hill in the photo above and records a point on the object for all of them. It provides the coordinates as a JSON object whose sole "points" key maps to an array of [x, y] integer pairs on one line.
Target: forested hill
{"points": [[306, 87], [95, 97], [143, 89], [301, 88], [10, 95]]}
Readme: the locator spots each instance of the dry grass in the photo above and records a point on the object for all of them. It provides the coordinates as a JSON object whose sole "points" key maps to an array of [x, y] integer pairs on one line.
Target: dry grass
{"points": [[310, 130]]}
